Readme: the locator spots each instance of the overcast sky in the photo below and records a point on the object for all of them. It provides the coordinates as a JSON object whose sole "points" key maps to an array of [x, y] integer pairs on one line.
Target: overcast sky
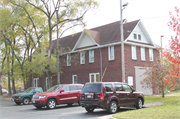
{"points": [[153, 13]]}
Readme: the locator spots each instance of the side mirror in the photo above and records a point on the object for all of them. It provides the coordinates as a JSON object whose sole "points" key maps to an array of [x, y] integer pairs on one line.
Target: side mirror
{"points": [[61, 91], [133, 90]]}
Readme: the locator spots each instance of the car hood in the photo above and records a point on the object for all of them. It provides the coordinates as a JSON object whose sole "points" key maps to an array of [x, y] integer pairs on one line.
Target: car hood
{"points": [[22, 94], [46, 93]]}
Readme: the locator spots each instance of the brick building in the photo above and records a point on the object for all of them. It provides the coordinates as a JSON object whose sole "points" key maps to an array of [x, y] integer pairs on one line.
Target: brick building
{"points": [[97, 49]]}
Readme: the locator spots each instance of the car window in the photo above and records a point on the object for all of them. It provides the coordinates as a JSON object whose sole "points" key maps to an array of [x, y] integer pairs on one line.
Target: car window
{"points": [[80, 87], [118, 87], [73, 88], [108, 88], [127, 88], [66, 88], [91, 88], [38, 90], [54, 88]]}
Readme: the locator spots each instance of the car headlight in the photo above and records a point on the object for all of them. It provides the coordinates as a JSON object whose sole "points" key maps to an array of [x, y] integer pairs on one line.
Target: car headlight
{"points": [[41, 97]]}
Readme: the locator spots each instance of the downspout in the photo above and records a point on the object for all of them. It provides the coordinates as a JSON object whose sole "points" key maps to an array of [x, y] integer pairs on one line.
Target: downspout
{"points": [[100, 61]]}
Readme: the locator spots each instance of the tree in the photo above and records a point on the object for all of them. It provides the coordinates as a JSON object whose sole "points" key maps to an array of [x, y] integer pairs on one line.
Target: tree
{"points": [[174, 43], [157, 75]]}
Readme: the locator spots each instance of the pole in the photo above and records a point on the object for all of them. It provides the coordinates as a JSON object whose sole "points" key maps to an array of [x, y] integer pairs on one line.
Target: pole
{"points": [[122, 43]]}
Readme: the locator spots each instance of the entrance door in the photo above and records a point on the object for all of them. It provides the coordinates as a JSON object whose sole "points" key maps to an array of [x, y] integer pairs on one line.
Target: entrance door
{"points": [[94, 77]]}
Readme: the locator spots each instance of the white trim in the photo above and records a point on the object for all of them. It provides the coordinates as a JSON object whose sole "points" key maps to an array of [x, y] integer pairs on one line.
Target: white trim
{"points": [[143, 54], [90, 80], [81, 59], [36, 82], [151, 54], [68, 98], [68, 58]]}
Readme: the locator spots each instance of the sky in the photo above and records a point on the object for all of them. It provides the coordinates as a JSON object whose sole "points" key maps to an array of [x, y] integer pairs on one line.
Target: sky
{"points": [[154, 14]]}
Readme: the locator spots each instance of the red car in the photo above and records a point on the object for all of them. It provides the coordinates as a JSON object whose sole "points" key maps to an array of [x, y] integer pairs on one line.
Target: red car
{"points": [[58, 94]]}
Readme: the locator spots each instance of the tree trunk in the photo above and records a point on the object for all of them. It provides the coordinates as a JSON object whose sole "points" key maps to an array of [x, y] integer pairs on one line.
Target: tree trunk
{"points": [[162, 88], [12, 73], [0, 85], [44, 82], [9, 80]]}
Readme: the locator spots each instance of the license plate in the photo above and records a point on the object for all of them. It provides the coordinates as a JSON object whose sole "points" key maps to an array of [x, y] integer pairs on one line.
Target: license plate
{"points": [[89, 96], [12, 100], [34, 101]]}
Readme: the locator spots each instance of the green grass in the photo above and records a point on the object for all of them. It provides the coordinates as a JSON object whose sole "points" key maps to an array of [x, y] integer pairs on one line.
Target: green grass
{"points": [[170, 109]]}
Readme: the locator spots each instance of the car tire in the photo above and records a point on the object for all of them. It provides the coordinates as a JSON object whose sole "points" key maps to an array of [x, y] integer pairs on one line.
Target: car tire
{"points": [[38, 107], [69, 104], [26, 101], [112, 107], [89, 109], [18, 103], [139, 104], [51, 104]]}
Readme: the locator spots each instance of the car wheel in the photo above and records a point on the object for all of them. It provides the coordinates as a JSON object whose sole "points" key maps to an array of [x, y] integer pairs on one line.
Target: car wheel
{"points": [[139, 104], [38, 107], [26, 101], [51, 104], [112, 107], [18, 103], [89, 109], [69, 104]]}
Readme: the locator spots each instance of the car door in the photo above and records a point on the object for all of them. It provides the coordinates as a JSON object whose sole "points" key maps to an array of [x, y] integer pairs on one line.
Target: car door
{"points": [[74, 93], [129, 95], [121, 94], [64, 96]]}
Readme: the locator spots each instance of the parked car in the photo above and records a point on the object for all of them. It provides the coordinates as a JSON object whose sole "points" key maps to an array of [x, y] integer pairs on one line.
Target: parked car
{"points": [[21, 90], [26, 96], [4, 91], [110, 96], [59, 94]]}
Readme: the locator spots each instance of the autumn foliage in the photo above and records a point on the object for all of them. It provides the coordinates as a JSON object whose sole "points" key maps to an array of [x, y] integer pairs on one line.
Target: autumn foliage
{"points": [[174, 43]]}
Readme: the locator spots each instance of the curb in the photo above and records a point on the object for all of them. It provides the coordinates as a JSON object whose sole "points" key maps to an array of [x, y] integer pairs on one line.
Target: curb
{"points": [[107, 117]]}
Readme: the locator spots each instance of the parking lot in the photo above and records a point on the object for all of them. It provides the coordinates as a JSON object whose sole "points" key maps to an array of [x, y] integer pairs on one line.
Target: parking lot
{"points": [[9, 110]]}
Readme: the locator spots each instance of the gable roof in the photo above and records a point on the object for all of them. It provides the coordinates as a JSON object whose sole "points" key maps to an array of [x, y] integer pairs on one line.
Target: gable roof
{"points": [[102, 35]]}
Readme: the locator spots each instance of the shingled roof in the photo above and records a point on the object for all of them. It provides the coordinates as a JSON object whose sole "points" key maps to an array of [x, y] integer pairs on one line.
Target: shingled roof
{"points": [[102, 35]]}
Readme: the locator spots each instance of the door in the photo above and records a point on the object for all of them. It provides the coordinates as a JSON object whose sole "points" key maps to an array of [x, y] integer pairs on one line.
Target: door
{"points": [[121, 94], [64, 97], [130, 97], [74, 93]]}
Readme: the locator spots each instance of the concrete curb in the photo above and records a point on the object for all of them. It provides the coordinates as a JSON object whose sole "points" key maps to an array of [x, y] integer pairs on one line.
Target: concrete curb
{"points": [[107, 117]]}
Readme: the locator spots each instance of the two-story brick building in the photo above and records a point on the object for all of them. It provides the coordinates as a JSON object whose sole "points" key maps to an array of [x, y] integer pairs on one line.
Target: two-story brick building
{"points": [[97, 49]]}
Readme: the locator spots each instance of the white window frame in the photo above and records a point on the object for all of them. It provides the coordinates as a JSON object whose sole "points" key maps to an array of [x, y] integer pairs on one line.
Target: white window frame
{"points": [[91, 56], [133, 52], [143, 56], [73, 81], [68, 59], [138, 37], [90, 80], [35, 82], [111, 53], [151, 58], [81, 57]]}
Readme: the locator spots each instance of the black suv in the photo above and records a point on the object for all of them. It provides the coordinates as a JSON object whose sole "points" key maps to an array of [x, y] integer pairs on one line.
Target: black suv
{"points": [[110, 96]]}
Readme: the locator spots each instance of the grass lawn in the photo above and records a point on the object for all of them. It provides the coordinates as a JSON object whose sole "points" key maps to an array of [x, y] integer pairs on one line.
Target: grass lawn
{"points": [[170, 109]]}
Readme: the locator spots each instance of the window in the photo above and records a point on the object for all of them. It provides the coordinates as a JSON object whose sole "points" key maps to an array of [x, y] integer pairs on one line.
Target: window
{"points": [[74, 79], [80, 87], [66, 88], [151, 55], [143, 54], [82, 57], [127, 88], [111, 52], [139, 37], [36, 82], [118, 87], [73, 88], [108, 88], [94, 77], [47, 83], [130, 80], [133, 50], [38, 90], [91, 56], [135, 36], [68, 59]]}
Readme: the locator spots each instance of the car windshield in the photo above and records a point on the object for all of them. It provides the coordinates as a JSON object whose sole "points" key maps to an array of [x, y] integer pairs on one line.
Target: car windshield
{"points": [[29, 90], [54, 89], [92, 88]]}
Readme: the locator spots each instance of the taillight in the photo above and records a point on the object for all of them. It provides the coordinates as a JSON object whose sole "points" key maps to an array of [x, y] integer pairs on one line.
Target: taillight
{"points": [[102, 96]]}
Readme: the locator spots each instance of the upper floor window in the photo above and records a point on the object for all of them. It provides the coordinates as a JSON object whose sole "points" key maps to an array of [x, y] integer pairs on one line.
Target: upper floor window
{"points": [[135, 36], [68, 59], [91, 56], [36, 82], [143, 54], [111, 52], [82, 57], [139, 37], [151, 55], [133, 51]]}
